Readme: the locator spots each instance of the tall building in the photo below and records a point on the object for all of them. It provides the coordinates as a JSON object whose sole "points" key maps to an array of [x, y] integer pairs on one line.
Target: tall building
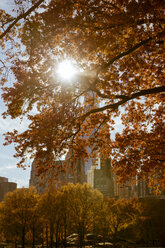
{"points": [[105, 181], [73, 174], [102, 178], [144, 191], [6, 187], [138, 190], [125, 190]]}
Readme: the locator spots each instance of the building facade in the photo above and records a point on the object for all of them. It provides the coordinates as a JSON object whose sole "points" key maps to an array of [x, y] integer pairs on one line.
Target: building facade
{"points": [[6, 187], [73, 173], [102, 178]]}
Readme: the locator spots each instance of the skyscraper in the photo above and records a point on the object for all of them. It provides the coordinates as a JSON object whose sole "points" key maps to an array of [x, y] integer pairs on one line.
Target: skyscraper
{"points": [[102, 178]]}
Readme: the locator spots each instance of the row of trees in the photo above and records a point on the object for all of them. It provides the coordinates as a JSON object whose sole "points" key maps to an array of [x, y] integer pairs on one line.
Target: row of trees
{"points": [[48, 219]]}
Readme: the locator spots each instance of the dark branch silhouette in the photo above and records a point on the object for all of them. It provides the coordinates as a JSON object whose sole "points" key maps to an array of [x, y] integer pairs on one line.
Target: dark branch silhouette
{"points": [[21, 16], [125, 99]]}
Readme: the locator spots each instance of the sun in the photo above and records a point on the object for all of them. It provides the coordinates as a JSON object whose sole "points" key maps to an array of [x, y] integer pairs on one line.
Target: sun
{"points": [[66, 70]]}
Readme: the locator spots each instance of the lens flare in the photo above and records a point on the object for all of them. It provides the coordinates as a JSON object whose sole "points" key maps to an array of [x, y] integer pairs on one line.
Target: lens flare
{"points": [[66, 70]]}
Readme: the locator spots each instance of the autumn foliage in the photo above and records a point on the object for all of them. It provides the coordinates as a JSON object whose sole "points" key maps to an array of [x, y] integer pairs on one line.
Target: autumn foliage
{"points": [[29, 219], [119, 48]]}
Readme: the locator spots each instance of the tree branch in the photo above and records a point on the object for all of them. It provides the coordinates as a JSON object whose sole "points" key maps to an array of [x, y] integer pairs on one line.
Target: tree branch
{"points": [[121, 55], [125, 99], [102, 95], [155, 90], [21, 16]]}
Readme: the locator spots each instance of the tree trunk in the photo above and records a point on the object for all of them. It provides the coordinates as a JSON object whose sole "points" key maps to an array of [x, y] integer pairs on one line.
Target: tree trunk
{"points": [[33, 244], [57, 238], [47, 241], [81, 235], [23, 237], [115, 236], [15, 243], [65, 228], [51, 234]]}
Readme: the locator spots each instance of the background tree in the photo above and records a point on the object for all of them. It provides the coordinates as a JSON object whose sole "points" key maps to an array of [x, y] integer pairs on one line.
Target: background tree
{"points": [[103, 220], [64, 214], [118, 47], [150, 228], [50, 214], [122, 214], [2, 238], [17, 212], [116, 216], [35, 223], [83, 203]]}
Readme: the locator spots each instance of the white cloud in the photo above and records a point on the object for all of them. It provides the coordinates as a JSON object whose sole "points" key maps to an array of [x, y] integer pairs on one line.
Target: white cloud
{"points": [[6, 156], [14, 174], [7, 167], [20, 182]]}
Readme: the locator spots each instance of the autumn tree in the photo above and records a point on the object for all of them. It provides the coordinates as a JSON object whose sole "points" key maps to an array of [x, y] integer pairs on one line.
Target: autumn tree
{"points": [[116, 216], [83, 205], [17, 214], [35, 223], [64, 213], [117, 48], [122, 214], [150, 228], [2, 238], [49, 208]]}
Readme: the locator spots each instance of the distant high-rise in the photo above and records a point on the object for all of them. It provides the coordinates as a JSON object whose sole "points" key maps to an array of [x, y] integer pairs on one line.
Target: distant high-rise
{"points": [[6, 187], [102, 179], [99, 176], [73, 174], [105, 181]]}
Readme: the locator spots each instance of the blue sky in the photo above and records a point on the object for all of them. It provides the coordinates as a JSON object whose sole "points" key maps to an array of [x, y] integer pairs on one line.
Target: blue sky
{"points": [[8, 163]]}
